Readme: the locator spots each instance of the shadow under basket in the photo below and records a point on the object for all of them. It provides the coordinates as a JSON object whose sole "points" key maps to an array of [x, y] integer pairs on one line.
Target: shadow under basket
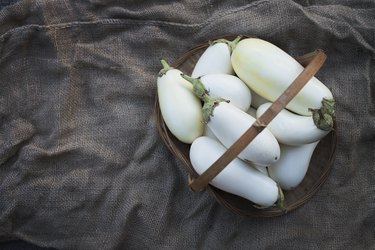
{"points": [[318, 171]]}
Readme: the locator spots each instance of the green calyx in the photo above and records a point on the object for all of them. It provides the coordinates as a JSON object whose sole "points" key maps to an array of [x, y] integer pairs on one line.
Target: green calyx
{"points": [[165, 68], [280, 200], [199, 90], [231, 44], [209, 106], [198, 87], [279, 203], [324, 117]]}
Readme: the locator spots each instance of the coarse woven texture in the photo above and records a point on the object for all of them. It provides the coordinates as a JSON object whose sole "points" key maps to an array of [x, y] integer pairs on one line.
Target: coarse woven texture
{"points": [[4, 3], [82, 165]]}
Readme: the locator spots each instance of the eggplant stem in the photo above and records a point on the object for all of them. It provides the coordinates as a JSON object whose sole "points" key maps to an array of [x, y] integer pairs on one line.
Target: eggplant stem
{"points": [[210, 103], [280, 200], [231, 44], [165, 68], [324, 117]]}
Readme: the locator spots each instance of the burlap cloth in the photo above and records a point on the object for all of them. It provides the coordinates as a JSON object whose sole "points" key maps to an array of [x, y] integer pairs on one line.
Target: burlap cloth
{"points": [[82, 165]]}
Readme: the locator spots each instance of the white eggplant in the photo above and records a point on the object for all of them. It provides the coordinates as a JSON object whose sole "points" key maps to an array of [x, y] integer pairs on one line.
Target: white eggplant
{"points": [[292, 129], [228, 123], [237, 178], [208, 133], [292, 167], [180, 108], [215, 59], [228, 87], [261, 169], [268, 71]]}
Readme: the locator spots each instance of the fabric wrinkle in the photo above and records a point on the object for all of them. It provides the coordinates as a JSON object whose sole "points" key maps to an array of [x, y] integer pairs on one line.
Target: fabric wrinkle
{"points": [[82, 165]]}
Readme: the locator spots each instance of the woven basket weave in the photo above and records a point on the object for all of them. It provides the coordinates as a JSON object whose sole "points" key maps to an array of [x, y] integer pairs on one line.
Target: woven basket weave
{"points": [[319, 168]]}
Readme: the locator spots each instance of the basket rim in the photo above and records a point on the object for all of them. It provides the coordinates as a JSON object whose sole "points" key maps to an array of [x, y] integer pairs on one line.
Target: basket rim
{"points": [[266, 213]]}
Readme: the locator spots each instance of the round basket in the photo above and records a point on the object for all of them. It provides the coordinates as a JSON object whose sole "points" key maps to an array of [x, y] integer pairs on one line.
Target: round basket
{"points": [[318, 171]]}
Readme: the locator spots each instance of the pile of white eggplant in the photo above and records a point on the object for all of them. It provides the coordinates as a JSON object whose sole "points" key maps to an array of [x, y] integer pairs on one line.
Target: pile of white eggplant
{"points": [[232, 84]]}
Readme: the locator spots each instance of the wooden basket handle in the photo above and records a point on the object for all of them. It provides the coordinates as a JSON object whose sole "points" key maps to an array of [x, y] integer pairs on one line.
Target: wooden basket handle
{"points": [[315, 60]]}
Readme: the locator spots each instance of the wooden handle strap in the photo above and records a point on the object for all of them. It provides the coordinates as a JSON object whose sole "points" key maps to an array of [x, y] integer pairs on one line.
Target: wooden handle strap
{"points": [[316, 60]]}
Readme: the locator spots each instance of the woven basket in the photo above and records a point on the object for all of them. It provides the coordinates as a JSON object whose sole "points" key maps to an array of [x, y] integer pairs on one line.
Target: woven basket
{"points": [[319, 168]]}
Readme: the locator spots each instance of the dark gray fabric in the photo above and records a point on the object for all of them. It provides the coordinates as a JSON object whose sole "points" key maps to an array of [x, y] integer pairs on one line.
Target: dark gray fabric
{"points": [[82, 165], [5, 3]]}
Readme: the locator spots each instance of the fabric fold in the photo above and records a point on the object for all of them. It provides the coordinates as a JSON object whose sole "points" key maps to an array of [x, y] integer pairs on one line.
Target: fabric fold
{"points": [[82, 165]]}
